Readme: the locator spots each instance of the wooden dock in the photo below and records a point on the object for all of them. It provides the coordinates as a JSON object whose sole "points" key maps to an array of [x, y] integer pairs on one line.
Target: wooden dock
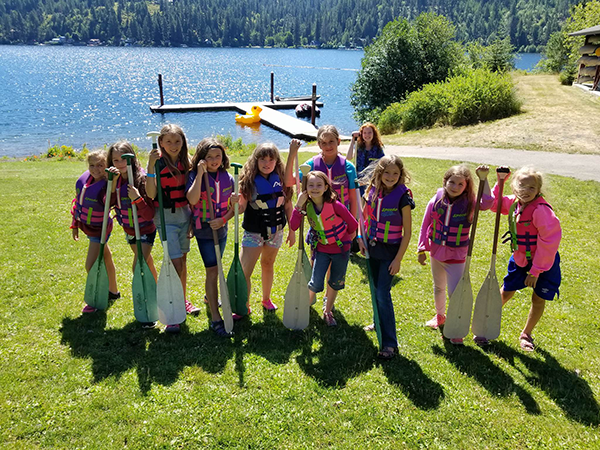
{"points": [[296, 128]]}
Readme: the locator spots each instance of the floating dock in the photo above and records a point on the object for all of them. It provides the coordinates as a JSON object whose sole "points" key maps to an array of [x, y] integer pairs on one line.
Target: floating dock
{"points": [[296, 128]]}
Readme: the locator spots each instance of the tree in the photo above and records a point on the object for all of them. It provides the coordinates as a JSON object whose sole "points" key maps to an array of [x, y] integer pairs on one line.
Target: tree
{"points": [[405, 57]]}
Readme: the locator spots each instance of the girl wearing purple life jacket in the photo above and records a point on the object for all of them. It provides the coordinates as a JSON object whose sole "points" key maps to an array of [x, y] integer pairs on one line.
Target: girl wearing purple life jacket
{"points": [[88, 212], [388, 225], [445, 233], [210, 157]]}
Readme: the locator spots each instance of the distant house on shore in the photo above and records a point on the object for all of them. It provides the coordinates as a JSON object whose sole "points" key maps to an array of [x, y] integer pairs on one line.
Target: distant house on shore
{"points": [[589, 62]]}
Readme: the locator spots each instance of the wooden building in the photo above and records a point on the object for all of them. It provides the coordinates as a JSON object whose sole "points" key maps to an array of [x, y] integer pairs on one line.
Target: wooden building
{"points": [[589, 62]]}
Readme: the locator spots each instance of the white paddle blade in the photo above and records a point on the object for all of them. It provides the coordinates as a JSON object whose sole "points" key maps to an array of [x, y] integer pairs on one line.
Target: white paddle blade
{"points": [[224, 291], [296, 309], [460, 306], [487, 316], [169, 293]]}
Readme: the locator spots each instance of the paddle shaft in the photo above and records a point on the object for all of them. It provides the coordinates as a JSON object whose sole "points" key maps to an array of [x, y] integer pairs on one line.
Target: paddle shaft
{"points": [[498, 212], [475, 217], [106, 211]]}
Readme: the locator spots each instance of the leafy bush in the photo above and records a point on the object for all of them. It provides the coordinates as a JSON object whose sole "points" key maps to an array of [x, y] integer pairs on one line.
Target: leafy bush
{"points": [[568, 75], [497, 57], [466, 98], [236, 147], [64, 152]]}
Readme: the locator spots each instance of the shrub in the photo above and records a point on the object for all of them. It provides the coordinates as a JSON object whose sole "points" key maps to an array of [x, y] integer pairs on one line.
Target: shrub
{"points": [[568, 75], [236, 147]]}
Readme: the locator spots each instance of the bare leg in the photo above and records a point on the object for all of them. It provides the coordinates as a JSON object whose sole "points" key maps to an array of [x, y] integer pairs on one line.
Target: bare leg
{"points": [[506, 295], [535, 313], [248, 257], [147, 251], [267, 262], [111, 270], [212, 292], [181, 268], [92, 255], [331, 296]]}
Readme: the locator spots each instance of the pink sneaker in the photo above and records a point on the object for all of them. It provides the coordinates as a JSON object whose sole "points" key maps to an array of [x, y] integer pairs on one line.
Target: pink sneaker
{"points": [[191, 309], [269, 305], [456, 341], [436, 321], [238, 317], [173, 329], [329, 319], [88, 309]]}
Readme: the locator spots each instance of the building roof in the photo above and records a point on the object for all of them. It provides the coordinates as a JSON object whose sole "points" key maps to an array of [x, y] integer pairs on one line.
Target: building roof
{"points": [[586, 31]]}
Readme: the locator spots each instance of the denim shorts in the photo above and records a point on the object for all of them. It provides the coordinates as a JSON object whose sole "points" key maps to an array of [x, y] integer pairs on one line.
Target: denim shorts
{"points": [[96, 239], [251, 239], [547, 284], [144, 238], [177, 225], [207, 250], [337, 277]]}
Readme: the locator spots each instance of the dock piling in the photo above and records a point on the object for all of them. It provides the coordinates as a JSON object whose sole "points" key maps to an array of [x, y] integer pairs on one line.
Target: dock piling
{"points": [[314, 104], [160, 88], [272, 87]]}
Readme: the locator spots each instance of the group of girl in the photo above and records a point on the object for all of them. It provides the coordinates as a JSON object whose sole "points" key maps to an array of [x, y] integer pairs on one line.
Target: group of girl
{"points": [[378, 216]]}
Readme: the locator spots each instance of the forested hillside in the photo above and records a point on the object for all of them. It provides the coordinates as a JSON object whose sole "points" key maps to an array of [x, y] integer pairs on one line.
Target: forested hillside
{"points": [[328, 23]]}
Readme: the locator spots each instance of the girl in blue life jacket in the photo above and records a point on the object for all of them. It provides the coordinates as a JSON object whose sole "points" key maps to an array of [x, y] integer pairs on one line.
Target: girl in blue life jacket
{"points": [[387, 222], [333, 225], [267, 207], [88, 212], [210, 157]]}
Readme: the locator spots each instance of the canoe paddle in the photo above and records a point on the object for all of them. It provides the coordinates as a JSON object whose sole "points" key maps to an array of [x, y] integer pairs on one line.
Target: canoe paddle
{"points": [[236, 281], [169, 291], [143, 286], [487, 315], [460, 305], [225, 305], [96, 286], [296, 309]]}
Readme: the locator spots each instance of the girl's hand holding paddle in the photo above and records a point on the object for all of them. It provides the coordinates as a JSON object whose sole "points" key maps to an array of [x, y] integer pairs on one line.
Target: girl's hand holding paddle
{"points": [[294, 146], [482, 172], [153, 156], [361, 246], [132, 191], [302, 198], [216, 223], [502, 172], [201, 168]]}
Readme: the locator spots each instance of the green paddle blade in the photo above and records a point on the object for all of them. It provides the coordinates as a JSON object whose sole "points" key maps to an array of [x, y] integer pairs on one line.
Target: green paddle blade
{"points": [[376, 321], [143, 289], [96, 287], [460, 307], [487, 315], [236, 284], [296, 309]]}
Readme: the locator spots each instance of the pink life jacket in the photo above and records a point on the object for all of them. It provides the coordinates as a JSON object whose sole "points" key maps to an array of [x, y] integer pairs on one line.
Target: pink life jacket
{"points": [[522, 231], [337, 175], [221, 188], [450, 222], [88, 204], [329, 227], [383, 215], [124, 212]]}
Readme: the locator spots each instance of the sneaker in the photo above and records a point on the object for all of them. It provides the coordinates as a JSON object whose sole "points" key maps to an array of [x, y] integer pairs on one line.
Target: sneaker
{"points": [[456, 341], [173, 329], [147, 325], [113, 296], [269, 305], [239, 317], [218, 326], [89, 309], [191, 309], [369, 327], [436, 321], [325, 304], [481, 341], [329, 319]]}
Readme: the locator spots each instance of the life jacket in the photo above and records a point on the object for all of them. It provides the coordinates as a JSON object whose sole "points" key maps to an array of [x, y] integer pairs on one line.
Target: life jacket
{"points": [[123, 209], [173, 187], [88, 204], [221, 188], [450, 221], [337, 175], [522, 233], [265, 213], [329, 227], [383, 215]]}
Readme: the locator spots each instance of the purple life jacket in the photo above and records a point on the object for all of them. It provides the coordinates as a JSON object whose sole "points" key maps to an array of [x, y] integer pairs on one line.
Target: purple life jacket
{"points": [[383, 217], [124, 212], [88, 204], [221, 188], [337, 175], [450, 222]]}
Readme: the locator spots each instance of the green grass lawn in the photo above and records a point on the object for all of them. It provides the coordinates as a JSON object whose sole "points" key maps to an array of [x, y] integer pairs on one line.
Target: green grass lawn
{"points": [[99, 381]]}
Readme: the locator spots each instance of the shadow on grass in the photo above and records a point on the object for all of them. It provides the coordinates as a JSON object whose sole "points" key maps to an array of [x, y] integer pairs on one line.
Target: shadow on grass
{"points": [[570, 392], [477, 365]]}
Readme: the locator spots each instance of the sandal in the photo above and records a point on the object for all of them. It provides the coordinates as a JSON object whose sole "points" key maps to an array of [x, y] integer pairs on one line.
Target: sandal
{"points": [[387, 353], [481, 341], [370, 327], [218, 326], [526, 342]]}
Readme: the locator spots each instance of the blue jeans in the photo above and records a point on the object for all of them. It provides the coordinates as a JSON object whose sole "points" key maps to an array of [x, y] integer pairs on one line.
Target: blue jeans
{"points": [[207, 250], [337, 276], [382, 281]]}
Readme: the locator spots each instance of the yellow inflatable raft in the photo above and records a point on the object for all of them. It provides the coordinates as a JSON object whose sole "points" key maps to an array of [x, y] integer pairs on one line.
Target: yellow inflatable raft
{"points": [[252, 116]]}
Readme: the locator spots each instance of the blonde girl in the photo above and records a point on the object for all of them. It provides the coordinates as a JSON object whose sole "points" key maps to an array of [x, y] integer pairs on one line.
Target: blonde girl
{"points": [[445, 233], [88, 213], [267, 207]]}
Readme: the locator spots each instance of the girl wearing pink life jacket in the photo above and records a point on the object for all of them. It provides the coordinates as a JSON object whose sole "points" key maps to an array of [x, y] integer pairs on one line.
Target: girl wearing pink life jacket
{"points": [[387, 220], [210, 157], [333, 227], [88, 212], [534, 234], [445, 233]]}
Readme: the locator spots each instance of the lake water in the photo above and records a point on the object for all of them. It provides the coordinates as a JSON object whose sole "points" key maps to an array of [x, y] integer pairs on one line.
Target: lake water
{"points": [[98, 95]]}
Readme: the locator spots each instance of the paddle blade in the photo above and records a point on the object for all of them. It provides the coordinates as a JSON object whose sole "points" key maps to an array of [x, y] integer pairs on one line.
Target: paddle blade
{"points": [[169, 293], [296, 309], [487, 315], [306, 267], [460, 306], [225, 303], [96, 286], [143, 290], [238, 289], [376, 321]]}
